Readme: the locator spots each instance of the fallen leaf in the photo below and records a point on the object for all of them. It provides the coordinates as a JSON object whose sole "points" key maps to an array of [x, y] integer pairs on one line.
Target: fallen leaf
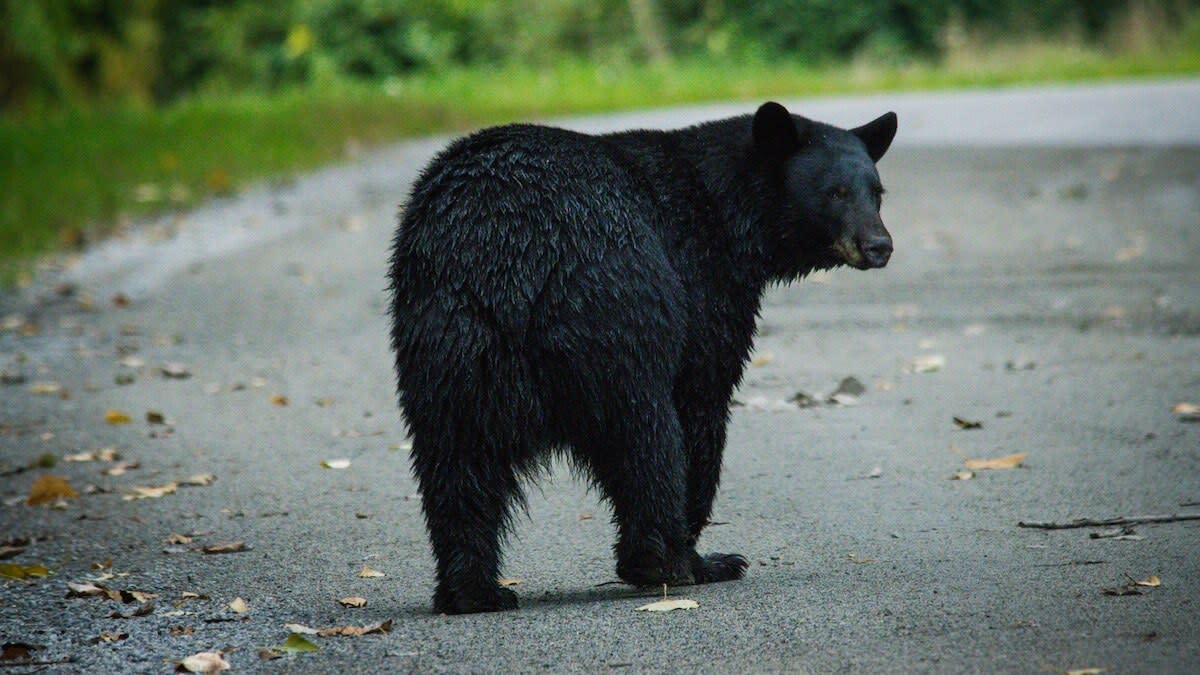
{"points": [[239, 605], [368, 573], [175, 371], [120, 469], [17, 651], [178, 630], [117, 417], [201, 479], [203, 662], [300, 629], [7, 551], [144, 609], [109, 636], [147, 492], [335, 463], [1127, 589], [269, 653], [1152, 581], [1005, 462], [509, 582], [927, 363], [325, 401], [297, 644], [176, 538], [1085, 671], [962, 475], [45, 388], [355, 601], [963, 423], [192, 595], [102, 455], [226, 547], [355, 631], [133, 362], [1185, 408], [16, 571], [49, 488], [668, 605], [155, 417], [762, 359], [279, 399], [84, 590]]}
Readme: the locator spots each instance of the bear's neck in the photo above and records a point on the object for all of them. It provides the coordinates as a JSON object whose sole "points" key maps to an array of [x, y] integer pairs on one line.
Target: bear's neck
{"points": [[747, 196]]}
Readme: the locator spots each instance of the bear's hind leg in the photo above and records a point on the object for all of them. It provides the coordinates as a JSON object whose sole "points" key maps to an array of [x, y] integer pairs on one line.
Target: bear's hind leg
{"points": [[467, 499]]}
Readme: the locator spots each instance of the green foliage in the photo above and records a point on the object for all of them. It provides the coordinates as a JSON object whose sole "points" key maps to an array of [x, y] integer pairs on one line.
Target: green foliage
{"points": [[79, 52]]}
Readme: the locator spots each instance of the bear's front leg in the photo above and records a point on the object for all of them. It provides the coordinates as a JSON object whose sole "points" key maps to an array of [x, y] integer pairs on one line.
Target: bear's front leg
{"points": [[704, 436]]}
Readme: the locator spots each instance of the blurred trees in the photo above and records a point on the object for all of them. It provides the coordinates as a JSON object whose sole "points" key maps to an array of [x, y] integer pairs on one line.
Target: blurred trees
{"points": [[75, 52]]}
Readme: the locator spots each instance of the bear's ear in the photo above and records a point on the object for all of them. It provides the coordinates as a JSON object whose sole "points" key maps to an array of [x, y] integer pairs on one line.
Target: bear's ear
{"points": [[877, 135], [777, 133]]}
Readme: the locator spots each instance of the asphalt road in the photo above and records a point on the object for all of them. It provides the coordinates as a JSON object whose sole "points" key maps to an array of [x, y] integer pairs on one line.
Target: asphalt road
{"points": [[1046, 250]]}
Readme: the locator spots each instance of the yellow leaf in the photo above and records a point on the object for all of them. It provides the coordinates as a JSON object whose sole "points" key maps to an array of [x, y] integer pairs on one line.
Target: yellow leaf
{"points": [[239, 605], [1152, 581], [668, 605], [353, 601], [116, 417], [296, 644], [368, 573], [299, 40], [49, 488], [1005, 462]]}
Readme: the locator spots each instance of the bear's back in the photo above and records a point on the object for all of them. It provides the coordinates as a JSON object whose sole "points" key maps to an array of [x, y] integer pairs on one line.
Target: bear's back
{"points": [[507, 219]]}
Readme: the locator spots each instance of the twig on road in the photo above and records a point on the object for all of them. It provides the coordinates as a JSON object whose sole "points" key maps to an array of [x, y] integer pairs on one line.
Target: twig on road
{"points": [[1104, 522]]}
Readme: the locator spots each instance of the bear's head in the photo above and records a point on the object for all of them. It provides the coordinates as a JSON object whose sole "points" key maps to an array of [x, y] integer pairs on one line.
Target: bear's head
{"points": [[829, 190]]}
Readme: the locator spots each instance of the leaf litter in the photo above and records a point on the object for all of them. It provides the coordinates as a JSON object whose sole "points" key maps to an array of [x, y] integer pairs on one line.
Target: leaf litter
{"points": [[1006, 462]]}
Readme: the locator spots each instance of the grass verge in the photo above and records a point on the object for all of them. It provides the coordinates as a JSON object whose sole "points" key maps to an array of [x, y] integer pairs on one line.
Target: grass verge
{"points": [[71, 178]]}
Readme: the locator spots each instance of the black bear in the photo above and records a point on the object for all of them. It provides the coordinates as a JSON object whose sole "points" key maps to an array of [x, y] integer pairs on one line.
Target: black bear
{"points": [[596, 296]]}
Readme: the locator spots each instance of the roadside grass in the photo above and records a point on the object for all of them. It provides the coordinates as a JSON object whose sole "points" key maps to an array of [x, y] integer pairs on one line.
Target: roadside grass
{"points": [[71, 178]]}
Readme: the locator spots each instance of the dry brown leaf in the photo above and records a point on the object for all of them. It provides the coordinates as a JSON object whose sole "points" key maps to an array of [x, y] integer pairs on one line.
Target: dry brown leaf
{"points": [[300, 629], [201, 479], [335, 463], [1085, 671], [239, 605], [1152, 581], [119, 469], [1005, 462], [668, 605], [155, 417], [117, 417], [49, 488], [176, 538], [225, 547], [147, 492], [368, 573], [109, 636], [762, 359], [182, 630], [84, 590], [510, 582], [962, 475], [279, 399], [355, 631], [1185, 408], [203, 662], [353, 601]]}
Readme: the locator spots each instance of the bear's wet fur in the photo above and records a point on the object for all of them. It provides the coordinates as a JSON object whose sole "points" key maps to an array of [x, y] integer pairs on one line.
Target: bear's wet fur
{"points": [[597, 296]]}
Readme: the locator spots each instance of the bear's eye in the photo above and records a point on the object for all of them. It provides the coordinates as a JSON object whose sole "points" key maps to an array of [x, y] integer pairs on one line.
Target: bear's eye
{"points": [[840, 192]]}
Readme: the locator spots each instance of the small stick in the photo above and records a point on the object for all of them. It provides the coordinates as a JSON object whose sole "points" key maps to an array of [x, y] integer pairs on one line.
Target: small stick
{"points": [[1105, 522]]}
